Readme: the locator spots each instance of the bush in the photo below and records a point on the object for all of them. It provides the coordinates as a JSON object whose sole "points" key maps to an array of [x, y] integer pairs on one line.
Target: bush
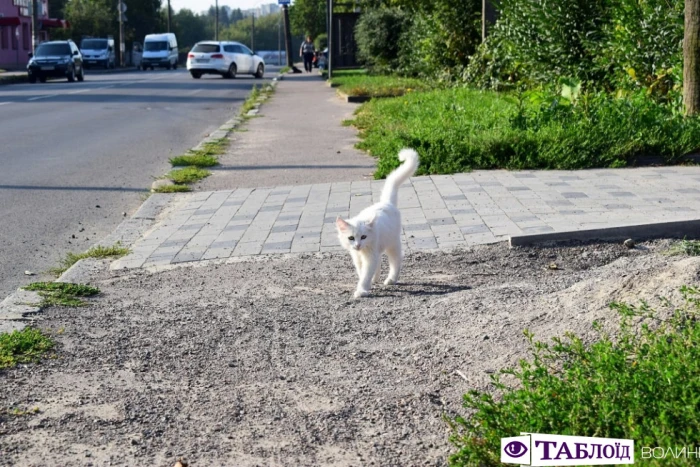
{"points": [[609, 44], [458, 130], [321, 42], [377, 34], [642, 385]]}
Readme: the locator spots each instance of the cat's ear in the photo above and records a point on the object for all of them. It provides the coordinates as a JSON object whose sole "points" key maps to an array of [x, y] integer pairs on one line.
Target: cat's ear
{"points": [[341, 224], [370, 223]]}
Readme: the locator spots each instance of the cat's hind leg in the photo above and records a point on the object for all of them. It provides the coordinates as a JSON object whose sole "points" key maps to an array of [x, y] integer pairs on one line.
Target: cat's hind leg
{"points": [[395, 258]]}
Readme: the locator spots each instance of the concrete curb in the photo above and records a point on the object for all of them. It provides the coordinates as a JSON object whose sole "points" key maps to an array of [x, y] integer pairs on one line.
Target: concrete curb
{"points": [[353, 99], [23, 78], [22, 306], [225, 130], [676, 229]]}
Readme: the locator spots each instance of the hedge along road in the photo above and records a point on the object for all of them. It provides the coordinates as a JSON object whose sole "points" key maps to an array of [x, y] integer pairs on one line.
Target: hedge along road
{"points": [[76, 156]]}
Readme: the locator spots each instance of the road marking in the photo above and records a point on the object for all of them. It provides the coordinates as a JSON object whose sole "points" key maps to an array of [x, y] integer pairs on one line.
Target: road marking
{"points": [[5, 103], [195, 91], [103, 87], [79, 91], [42, 97]]}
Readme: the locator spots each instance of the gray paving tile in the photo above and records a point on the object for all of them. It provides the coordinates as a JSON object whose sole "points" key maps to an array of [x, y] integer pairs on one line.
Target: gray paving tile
{"points": [[442, 221], [284, 228], [475, 229], [574, 194]]}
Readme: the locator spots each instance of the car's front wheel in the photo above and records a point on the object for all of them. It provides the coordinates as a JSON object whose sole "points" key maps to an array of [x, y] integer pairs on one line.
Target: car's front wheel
{"points": [[260, 72], [42, 79], [81, 76], [195, 74], [32, 79], [71, 74]]}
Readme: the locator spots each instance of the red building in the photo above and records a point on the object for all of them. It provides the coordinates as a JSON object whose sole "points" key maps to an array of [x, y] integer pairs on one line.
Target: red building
{"points": [[16, 30]]}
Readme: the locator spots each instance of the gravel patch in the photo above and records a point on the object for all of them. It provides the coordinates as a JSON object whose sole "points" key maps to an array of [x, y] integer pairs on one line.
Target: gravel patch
{"points": [[270, 362]]}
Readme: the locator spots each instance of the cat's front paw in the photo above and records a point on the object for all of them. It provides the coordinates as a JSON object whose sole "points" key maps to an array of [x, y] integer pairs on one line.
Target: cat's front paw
{"points": [[361, 293], [390, 281]]}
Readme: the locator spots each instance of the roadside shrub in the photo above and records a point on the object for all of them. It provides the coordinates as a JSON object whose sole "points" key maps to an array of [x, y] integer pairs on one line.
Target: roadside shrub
{"points": [[440, 38], [377, 34], [458, 130], [642, 384], [321, 42], [608, 44]]}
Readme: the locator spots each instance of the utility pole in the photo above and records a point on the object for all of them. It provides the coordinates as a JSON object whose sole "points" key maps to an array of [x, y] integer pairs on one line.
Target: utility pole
{"points": [[279, 42], [168, 15], [330, 39], [122, 10], [252, 34], [288, 39], [35, 23], [216, 25]]}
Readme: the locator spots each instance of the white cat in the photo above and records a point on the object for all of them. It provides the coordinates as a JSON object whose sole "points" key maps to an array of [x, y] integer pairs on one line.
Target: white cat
{"points": [[377, 230]]}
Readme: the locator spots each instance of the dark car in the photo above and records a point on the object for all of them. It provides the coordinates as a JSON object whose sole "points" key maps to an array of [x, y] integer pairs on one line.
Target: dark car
{"points": [[56, 59]]}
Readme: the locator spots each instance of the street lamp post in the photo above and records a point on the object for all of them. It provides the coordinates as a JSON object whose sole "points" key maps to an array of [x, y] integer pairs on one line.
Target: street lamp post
{"points": [[216, 25]]}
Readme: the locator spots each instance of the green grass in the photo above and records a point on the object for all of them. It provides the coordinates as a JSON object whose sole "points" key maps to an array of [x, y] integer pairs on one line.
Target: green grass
{"points": [[359, 83], [25, 346], [685, 247], [285, 69], [62, 293], [98, 252], [249, 103], [204, 157], [643, 384], [173, 189], [187, 175], [456, 130]]}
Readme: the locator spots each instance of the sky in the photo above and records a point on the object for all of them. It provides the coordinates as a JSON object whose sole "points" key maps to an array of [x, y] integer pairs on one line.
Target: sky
{"points": [[203, 5]]}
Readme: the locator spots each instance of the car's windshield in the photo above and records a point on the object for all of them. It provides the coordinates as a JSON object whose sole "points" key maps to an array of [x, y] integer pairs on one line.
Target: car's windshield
{"points": [[155, 46], [93, 44], [45, 50], [206, 48]]}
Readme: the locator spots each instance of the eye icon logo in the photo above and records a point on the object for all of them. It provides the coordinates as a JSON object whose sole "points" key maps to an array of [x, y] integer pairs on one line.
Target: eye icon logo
{"points": [[515, 449]]}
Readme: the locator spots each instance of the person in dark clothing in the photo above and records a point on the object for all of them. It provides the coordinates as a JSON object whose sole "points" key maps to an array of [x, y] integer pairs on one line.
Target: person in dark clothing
{"points": [[308, 51]]}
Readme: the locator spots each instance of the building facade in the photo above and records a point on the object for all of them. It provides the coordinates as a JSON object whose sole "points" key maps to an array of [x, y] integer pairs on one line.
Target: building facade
{"points": [[16, 30]]}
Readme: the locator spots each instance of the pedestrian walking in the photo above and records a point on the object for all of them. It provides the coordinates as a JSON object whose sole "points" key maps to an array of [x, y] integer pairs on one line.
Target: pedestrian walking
{"points": [[308, 51]]}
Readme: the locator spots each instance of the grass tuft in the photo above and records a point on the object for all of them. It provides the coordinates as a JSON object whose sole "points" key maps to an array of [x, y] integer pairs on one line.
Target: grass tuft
{"points": [[204, 157], [642, 384], [359, 83], [685, 247], [62, 293], [95, 252], [173, 189], [23, 346], [187, 175]]}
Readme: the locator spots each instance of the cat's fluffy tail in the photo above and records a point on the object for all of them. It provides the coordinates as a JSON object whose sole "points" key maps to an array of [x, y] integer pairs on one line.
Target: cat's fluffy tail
{"points": [[409, 157]]}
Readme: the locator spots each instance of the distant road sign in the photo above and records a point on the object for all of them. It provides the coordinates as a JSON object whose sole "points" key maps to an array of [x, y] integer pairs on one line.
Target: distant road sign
{"points": [[123, 18], [122, 7], [284, 2]]}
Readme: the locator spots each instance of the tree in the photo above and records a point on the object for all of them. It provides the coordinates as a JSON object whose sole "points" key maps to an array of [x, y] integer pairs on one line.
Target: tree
{"points": [[308, 17], [266, 33], [189, 28], [91, 17], [691, 58]]}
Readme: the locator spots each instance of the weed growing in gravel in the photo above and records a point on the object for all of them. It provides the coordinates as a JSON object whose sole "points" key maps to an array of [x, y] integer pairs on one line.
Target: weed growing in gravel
{"points": [[187, 175], [62, 293], [23, 346], [685, 247], [98, 252], [643, 385], [17, 412], [172, 189]]}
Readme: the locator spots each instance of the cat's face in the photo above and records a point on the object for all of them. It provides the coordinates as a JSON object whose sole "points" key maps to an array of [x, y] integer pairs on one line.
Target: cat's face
{"points": [[355, 236]]}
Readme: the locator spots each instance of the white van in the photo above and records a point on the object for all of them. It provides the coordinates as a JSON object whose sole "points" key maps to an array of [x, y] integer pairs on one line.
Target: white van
{"points": [[98, 52], [159, 50]]}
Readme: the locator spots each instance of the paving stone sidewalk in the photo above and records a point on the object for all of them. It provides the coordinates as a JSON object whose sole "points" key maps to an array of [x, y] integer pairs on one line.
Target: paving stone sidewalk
{"points": [[438, 211]]}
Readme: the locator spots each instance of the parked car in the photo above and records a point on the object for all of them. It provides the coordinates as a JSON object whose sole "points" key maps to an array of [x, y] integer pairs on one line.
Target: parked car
{"points": [[59, 59], [223, 58], [98, 52], [159, 50]]}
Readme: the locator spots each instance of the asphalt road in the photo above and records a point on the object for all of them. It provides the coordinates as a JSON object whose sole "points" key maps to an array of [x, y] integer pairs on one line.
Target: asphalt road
{"points": [[75, 156]]}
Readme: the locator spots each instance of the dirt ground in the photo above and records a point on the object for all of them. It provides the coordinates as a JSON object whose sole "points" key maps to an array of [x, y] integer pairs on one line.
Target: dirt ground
{"points": [[270, 361]]}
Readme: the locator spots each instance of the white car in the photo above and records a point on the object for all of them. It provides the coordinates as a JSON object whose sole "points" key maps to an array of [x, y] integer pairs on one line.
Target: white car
{"points": [[223, 58]]}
